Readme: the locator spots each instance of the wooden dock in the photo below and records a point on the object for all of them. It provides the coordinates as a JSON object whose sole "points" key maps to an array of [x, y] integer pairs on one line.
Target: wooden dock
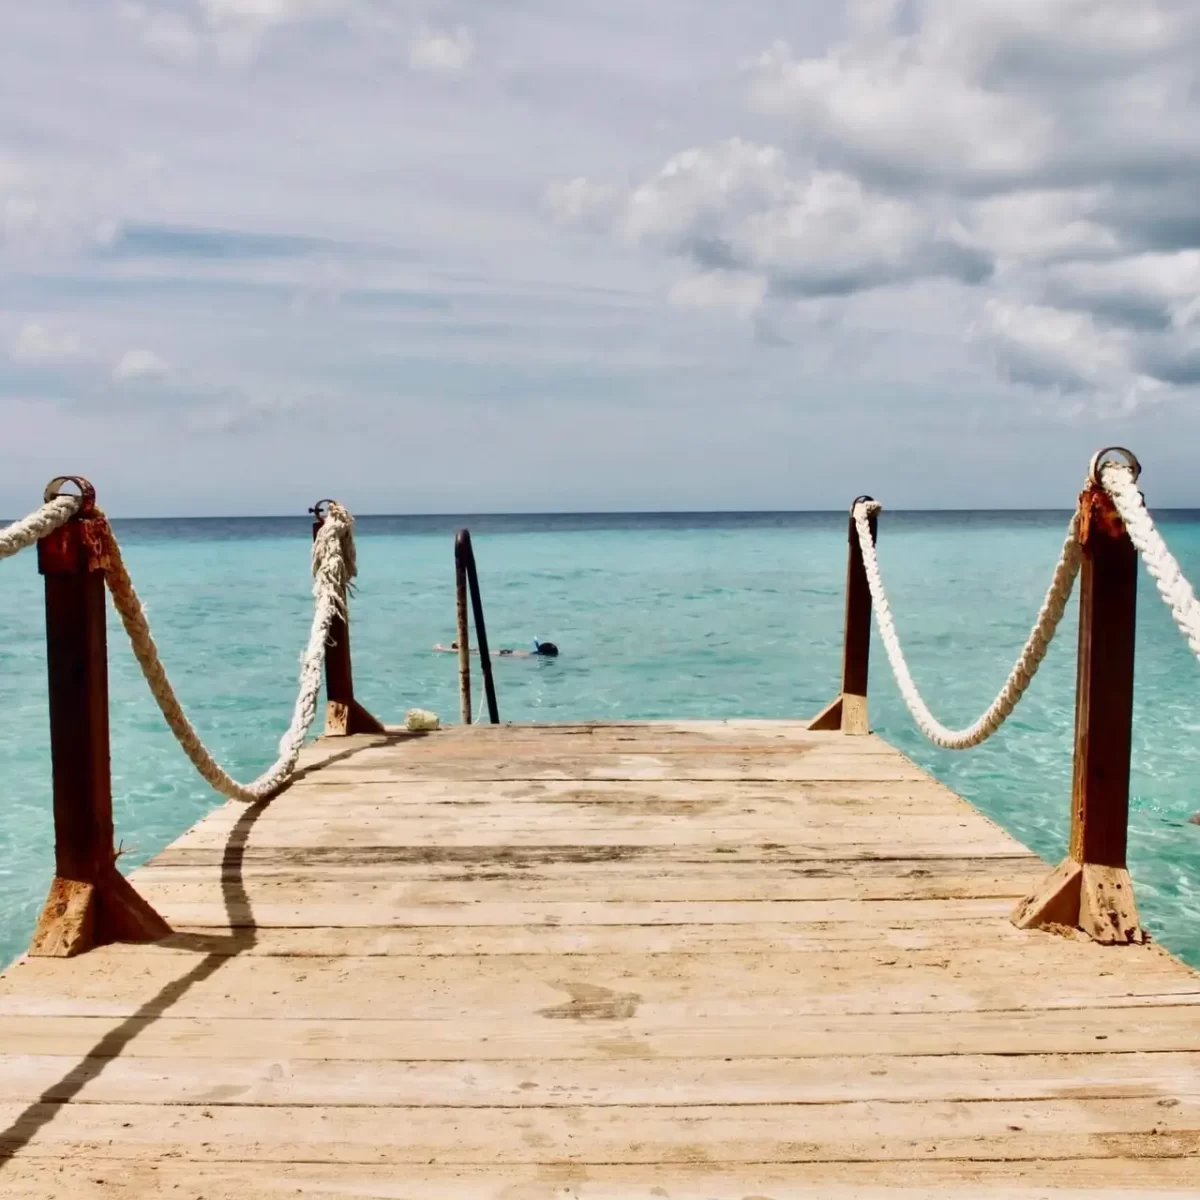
{"points": [[699, 961]]}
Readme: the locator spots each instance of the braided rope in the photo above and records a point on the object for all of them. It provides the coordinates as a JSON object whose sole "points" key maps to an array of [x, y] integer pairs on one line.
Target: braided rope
{"points": [[1023, 671], [1120, 483], [45, 520], [333, 568]]}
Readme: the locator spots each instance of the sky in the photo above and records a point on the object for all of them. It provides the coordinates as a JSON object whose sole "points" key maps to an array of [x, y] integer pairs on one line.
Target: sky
{"points": [[474, 256]]}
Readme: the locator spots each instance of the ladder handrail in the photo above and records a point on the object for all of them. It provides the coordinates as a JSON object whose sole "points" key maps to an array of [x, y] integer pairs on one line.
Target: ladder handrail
{"points": [[467, 581]]}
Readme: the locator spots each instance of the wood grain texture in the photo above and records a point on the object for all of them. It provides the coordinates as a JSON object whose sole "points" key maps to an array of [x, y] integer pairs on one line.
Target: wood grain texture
{"points": [[696, 959]]}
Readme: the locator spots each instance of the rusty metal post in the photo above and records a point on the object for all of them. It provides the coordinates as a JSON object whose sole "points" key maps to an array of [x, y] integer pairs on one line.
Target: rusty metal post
{"points": [[464, 639], [848, 711], [90, 901], [1091, 888], [464, 554], [343, 714]]}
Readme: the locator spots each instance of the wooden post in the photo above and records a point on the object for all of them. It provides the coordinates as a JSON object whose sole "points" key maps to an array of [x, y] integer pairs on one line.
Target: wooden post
{"points": [[1091, 888], [343, 714], [464, 556], [464, 639], [848, 711], [90, 902]]}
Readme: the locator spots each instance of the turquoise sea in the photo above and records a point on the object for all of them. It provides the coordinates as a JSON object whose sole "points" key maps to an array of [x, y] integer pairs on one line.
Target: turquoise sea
{"points": [[680, 615]]}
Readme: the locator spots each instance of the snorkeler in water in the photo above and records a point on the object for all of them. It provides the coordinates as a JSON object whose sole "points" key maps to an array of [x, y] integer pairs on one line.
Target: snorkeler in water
{"points": [[540, 650]]}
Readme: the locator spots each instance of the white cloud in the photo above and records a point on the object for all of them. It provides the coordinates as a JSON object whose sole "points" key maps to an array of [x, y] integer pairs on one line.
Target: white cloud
{"points": [[1044, 153], [1063, 351], [745, 210], [37, 344], [449, 51], [140, 364], [581, 203], [1012, 93]]}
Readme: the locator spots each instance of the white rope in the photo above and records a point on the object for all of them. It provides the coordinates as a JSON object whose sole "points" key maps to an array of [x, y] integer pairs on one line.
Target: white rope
{"points": [[22, 534], [1119, 482], [333, 567], [1024, 669]]}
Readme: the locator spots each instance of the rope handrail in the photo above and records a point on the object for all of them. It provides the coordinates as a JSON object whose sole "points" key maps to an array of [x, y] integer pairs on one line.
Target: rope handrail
{"points": [[22, 534], [333, 568], [1119, 481], [1023, 670]]}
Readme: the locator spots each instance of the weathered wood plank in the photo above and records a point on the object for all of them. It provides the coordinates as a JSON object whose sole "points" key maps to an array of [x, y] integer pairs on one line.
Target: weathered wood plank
{"points": [[607, 988], [854, 1131], [1112, 1178], [533, 1083], [1073, 1031], [366, 940]]}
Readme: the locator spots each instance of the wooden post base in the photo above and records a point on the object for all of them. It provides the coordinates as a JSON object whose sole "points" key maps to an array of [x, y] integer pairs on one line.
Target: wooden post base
{"points": [[343, 718], [1099, 900], [846, 712], [79, 915]]}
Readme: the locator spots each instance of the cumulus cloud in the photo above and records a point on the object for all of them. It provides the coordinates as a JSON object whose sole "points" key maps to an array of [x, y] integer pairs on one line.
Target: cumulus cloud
{"points": [[746, 211], [999, 93], [448, 51], [37, 344], [1042, 155], [140, 364]]}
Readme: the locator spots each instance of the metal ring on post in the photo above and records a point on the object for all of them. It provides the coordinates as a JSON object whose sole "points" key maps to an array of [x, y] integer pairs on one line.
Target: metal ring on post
{"points": [[87, 493], [316, 509], [857, 500], [1099, 459]]}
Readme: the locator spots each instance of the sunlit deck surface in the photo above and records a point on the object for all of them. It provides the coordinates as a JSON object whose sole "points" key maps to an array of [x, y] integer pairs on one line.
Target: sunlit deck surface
{"points": [[692, 960]]}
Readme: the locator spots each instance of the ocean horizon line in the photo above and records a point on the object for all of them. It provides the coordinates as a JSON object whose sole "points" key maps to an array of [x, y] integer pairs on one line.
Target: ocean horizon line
{"points": [[624, 513]]}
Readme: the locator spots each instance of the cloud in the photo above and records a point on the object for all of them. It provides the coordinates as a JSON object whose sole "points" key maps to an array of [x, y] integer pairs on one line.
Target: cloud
{"points": [[140, 364], [998, 93], [740, 291], [1043, 156], [52, 209], [741, 208], [231, 31], [582, 203], [37, 344], [447, 52]]}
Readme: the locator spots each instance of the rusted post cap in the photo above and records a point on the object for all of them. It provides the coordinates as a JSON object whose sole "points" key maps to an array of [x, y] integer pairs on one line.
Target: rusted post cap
{"points": [[1101, 458], [87, 493]]}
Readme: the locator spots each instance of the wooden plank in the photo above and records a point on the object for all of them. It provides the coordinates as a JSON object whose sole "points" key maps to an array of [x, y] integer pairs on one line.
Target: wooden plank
{"points": [[855, 1131], [533, 1083], [881, 768], [379, 901], [606, 988], [202, 841], [928, 836], [366, 940], [817, 879], [1113, 1178], [815, 799], [1073, 1031], [410, 824]]}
